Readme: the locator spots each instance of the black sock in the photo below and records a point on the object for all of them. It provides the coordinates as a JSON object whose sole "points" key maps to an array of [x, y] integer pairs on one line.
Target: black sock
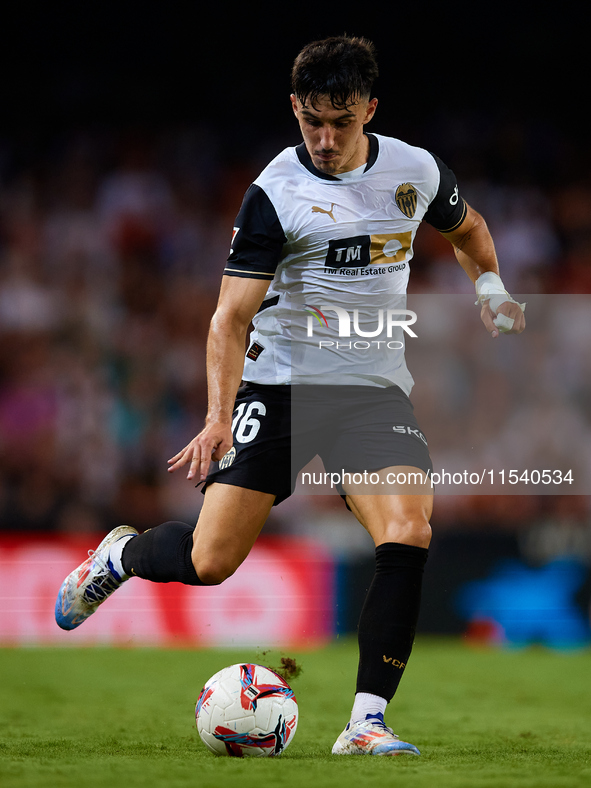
{"points": [[162, 554], [389, 618]]}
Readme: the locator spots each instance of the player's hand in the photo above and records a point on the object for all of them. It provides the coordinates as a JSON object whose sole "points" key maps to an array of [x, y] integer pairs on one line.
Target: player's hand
{"points": [[213, 442], [511, 311]]}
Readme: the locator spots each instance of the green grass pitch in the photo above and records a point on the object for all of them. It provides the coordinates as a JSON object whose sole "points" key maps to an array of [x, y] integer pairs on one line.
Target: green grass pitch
{"points": [[77, 717]]}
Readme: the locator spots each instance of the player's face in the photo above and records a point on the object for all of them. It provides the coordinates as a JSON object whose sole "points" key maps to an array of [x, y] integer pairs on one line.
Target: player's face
{"points": [[333, 137]]}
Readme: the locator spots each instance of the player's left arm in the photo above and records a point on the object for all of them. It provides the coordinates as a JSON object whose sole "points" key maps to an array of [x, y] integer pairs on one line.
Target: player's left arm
{"points": [[466, 230], [475, 251]]}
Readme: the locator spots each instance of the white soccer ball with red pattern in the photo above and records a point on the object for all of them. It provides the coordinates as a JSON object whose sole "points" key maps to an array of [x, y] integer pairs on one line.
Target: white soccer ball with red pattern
{"points": [[246, 710]]}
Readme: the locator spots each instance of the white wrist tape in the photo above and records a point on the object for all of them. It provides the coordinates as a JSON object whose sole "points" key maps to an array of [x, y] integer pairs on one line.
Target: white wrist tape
{"points": [[490, 287], [503, 323]]}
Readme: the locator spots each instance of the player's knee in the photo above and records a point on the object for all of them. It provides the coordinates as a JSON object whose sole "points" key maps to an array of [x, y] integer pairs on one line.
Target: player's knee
{"points": [[419, 532], [413, 530], [422, 533], [213, 571]]}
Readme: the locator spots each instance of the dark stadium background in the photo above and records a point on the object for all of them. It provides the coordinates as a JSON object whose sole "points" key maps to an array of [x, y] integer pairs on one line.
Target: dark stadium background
{"points": [[128, 135]]}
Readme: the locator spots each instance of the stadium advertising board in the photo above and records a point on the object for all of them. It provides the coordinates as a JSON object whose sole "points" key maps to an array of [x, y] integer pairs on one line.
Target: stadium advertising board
{"points": [[283, 595]]}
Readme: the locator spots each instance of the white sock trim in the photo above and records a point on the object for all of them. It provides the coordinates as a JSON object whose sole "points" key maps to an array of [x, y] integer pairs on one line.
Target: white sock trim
{"points": [[115, 554], [365, 703]]}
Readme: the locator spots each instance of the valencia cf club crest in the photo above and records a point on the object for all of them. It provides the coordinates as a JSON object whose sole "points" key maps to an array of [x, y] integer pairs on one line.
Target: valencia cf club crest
{"points": [[228, 458], [406, 199]]}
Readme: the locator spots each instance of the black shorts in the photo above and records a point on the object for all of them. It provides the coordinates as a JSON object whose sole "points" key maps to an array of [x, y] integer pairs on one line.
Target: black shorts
{"points": [[279, 429]]}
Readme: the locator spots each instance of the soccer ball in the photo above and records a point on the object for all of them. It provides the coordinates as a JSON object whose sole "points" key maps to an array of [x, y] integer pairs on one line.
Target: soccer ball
{"points": [[246, 710]]}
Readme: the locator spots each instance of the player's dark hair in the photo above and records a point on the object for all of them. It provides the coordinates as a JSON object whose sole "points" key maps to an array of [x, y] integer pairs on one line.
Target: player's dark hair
{"points": [[341, 67]]}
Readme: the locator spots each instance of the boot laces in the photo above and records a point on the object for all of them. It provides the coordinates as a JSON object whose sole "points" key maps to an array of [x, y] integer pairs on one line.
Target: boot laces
{"points": [[103, 583]]}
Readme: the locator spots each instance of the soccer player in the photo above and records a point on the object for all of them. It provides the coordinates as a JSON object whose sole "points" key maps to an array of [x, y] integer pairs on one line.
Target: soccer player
{"points": [[331, 220]]}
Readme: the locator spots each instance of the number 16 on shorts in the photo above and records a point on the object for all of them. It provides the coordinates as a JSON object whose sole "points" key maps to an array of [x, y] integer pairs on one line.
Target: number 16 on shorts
{"points": [[245, 424]]}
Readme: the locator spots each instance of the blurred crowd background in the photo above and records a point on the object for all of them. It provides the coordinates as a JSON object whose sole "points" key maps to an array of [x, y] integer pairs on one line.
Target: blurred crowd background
{"points": [[112, 249], [113, 238]]}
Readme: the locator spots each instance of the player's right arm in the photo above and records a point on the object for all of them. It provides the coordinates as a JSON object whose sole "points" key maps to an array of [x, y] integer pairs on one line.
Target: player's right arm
{"points": [[238, 302], [256, 248]]}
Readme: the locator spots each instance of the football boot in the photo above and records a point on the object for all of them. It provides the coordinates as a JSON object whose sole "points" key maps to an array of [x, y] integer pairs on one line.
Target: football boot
{"points": [[91, 583], [371, 737]]}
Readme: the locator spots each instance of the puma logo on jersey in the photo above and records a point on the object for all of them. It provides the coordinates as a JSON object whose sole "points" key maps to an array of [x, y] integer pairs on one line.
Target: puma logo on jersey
{"points": [[316, 209]]}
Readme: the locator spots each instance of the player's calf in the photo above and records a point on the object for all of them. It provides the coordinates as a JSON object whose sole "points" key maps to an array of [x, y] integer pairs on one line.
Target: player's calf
{"points": [[389, 617], [163, 555]]}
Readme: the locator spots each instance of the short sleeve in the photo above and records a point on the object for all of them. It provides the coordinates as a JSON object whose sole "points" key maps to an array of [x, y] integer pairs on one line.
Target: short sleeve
{"points": [[448, 209], [258, 238]]}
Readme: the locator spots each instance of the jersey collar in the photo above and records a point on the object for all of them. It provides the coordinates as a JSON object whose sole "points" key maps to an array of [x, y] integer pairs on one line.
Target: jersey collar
{"points": [[306, 160]]}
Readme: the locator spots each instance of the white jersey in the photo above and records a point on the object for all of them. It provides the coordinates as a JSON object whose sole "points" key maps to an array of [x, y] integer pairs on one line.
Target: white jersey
{"points": [[337, 252]]}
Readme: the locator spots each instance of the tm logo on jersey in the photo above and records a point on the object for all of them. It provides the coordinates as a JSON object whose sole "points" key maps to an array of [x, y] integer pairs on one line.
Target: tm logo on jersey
{"points": [[349, 251], [360, 251]]}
